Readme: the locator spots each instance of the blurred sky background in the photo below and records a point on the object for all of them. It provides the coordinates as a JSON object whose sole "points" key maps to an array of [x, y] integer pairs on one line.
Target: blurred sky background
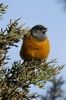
{"points": [[49, 13]]}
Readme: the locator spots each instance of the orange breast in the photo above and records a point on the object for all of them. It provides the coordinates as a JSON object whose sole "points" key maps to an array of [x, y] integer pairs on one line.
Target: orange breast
{"points": [[34, 49]]}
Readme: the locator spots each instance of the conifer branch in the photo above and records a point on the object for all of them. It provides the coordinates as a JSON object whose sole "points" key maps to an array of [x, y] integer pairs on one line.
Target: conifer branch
{"points": [[2, 9]]}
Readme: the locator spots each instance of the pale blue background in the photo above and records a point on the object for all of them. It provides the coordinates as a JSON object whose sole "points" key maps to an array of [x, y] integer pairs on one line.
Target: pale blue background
{"points": [[48, 13]]}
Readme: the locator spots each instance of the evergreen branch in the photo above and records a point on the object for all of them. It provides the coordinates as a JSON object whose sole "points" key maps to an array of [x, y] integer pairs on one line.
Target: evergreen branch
{"points": [[2, 9], [19, 78], [8, 37]]}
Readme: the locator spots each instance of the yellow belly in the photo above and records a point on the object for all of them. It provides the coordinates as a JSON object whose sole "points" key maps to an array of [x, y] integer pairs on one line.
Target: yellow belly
{"points": [[34, 49]]}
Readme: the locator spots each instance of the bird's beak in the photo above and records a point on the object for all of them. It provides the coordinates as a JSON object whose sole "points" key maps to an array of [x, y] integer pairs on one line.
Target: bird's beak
{"points": [[46, 29]]}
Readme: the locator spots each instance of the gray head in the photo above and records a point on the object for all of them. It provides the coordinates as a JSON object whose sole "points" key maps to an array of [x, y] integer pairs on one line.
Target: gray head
{"points": [[39, 32]]}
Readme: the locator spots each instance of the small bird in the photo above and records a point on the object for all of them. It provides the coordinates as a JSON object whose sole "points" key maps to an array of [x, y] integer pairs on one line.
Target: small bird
{"points": [[35, 44]]}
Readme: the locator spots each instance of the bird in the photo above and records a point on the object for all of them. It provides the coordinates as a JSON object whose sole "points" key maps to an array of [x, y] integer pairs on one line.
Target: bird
{"points": [[35, 44]]}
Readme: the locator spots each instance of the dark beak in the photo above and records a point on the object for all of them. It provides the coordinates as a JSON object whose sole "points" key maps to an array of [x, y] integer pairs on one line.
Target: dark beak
{"points": [[46, 29]]}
